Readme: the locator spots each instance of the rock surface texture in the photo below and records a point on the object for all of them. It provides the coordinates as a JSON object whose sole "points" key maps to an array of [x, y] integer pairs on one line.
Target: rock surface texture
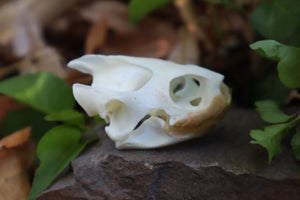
{"points": [[221, 165]]}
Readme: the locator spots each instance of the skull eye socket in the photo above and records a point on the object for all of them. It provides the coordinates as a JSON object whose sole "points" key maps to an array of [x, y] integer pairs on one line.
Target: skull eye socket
{"points": [[185, 90]]}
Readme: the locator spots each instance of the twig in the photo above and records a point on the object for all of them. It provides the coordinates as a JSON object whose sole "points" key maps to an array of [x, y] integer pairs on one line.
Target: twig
{"points": [[189, 16]]}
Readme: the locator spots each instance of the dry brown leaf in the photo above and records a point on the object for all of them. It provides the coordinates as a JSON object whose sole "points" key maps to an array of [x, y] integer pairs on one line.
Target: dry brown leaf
{"points": [[186, 50], [29, 43], [7, 104], [44, 59], [96, 36], [159, 28], [78, 77], [191, 19], [8, 16], [294, 94], [14, 181], [43, 11], [136, 44], [114, 12], [148, 38], [46, 11], [16, 139], [27, 38]]}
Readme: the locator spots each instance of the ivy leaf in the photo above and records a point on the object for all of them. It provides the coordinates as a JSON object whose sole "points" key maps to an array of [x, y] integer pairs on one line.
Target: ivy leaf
{"points": [[295, 142], [288, 57], [270, 87], [19, 119], [267, 48], [140, 8], [70, 117], [270, 138], [270, 112], [56, 149], [42, 91], [278, 20]]}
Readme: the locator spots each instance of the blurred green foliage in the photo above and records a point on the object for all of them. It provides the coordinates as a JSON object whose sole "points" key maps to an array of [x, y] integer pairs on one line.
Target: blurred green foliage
{"points": [[279, 21], [51, 103]]}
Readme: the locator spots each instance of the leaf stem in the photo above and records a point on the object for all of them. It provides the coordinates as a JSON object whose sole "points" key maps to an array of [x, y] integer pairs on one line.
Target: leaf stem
{"points": [[295, 122]]}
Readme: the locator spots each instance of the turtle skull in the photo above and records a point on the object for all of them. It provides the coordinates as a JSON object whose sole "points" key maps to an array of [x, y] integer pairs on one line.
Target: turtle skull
{"points": [[148, 102]]}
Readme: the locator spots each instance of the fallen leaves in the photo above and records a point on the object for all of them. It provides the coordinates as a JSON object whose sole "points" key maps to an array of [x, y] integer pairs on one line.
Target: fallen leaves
{"points": [[134, 44], [293, 95], [96, 36], [186, 51], [16, 139], [110, 32], [43, 12], [7, 104], [43, 35], [23, 22], [16, 154], [189, 16]]}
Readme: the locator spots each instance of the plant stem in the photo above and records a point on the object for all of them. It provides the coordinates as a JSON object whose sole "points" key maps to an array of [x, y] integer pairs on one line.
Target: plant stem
{"points": [[294, 122]]}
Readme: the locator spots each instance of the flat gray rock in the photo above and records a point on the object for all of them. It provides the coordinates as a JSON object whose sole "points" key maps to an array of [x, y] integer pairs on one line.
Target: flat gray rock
{"points": [[221, 165]]}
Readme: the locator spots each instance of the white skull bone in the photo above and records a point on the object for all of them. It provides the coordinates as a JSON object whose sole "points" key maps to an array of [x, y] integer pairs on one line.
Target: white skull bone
{"points": [[149, 102]]}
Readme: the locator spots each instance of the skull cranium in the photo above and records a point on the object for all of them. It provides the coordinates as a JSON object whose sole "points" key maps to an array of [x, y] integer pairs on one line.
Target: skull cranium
{"points": [[151, 102]]}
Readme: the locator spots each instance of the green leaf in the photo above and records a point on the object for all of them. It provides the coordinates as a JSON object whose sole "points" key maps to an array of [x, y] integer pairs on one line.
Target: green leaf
{"points": [[278, 20], [18, 119], [71, 117], [288, 57], [289, 66], [267, 48], [270, 112], [270, 138], [98, 119], [42, 91], [295, 142], [269, 87], [140, 8], [56, 149]]}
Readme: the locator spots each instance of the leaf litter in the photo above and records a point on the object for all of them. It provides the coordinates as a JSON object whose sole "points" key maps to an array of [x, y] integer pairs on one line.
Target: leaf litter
{"points": [[16, 154], [43, 36]]}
